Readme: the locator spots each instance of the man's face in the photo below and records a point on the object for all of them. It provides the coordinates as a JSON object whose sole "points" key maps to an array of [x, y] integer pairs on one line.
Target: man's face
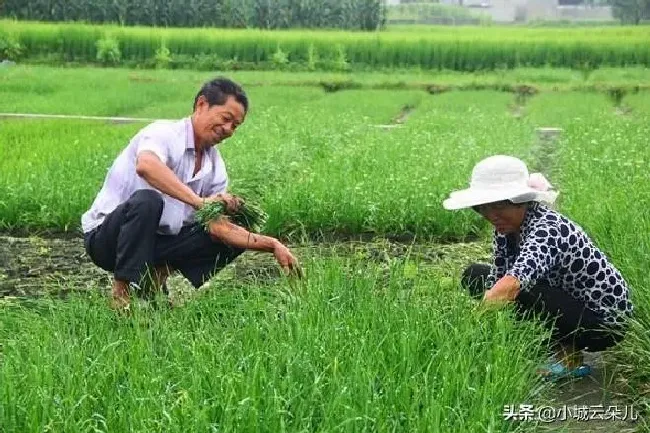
{"points": [[216, 123]]}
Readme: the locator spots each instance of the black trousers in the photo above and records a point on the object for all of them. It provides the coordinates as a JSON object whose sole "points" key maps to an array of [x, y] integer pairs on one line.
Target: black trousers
{"points": [[570, 320], [126, 244]]}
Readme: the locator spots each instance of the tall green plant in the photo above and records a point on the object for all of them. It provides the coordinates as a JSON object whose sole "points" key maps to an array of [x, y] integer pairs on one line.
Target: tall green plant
{"points": [[108, 51], [266, 14], [463, 49], [10, 48]]}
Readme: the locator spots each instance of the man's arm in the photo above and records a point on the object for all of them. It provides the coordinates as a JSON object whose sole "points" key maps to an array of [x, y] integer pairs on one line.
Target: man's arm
{"points": [[157, 174], [238, 237]]}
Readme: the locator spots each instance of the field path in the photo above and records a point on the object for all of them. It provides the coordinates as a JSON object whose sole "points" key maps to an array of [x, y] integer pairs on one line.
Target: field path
{"points": [[597, 393]]}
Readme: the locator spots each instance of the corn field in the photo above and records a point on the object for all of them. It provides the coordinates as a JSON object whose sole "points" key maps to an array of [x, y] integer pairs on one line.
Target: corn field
{"points": [[268, 14], [461, 49]]}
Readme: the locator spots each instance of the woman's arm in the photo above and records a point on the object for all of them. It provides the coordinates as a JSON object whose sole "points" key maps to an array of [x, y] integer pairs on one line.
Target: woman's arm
{"points": [[506, 289], [539, 254]]}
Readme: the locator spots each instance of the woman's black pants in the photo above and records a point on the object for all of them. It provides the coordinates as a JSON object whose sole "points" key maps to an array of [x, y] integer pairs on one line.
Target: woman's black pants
{"points": [[571, 321]]}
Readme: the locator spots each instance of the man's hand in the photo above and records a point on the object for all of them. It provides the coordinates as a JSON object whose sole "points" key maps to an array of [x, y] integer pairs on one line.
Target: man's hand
{"points": [[232, 202], [286, 260]]}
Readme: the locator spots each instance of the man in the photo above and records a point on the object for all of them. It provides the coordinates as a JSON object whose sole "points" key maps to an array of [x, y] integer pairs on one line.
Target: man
{"points": [[142, 222]]}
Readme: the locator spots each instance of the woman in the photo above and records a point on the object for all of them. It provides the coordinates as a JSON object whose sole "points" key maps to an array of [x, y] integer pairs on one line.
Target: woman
{"points": [[544, 262]]}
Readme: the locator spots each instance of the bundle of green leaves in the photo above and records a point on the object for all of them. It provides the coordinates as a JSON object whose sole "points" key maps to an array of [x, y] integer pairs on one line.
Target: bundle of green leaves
{"points": [[249, 215]]}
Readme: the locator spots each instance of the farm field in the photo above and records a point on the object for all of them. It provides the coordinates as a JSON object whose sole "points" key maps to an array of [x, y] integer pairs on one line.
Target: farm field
{"points": [[99, 89], [463, 48], [363, 344]]}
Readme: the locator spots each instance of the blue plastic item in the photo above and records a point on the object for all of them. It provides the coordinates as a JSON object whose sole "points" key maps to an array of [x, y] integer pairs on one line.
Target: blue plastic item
{"points": [[557, 370]]}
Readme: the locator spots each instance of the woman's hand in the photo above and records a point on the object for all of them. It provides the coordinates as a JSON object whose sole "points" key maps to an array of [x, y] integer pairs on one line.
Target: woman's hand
{"points": [[505, 290]]}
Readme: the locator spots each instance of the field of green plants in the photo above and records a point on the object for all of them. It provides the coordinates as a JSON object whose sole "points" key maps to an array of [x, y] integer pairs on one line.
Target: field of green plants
{"points": [[341, 173], [358, 345], [456, 48]]}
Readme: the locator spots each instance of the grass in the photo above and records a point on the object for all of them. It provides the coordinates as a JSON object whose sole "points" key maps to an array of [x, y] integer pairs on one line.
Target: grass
{"points": [[340, 174], [393, 182], [100, 91], [326, 159], [357, 348]]}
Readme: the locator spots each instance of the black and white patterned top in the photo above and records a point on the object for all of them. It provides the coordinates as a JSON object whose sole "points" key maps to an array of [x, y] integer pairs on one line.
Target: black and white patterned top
{"points": [[557, 250]]}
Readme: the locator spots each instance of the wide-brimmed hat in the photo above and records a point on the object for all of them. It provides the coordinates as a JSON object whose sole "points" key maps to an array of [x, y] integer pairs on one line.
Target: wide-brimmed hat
{"points": [[498, 178]]}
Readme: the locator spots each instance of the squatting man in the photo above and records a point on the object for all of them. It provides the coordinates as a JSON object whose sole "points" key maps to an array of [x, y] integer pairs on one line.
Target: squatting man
{"points": [[141, 226]]}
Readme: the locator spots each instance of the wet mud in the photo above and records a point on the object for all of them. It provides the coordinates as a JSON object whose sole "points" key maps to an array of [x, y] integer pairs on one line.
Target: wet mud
{"points": [[36, 266]]}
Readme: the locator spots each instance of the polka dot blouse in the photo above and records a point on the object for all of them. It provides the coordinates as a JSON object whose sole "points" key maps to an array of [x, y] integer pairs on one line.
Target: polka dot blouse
{"points": [[554, 249]]}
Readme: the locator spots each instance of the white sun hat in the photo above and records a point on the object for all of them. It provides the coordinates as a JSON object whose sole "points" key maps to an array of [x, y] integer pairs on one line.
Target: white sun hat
{"points": [[498, 178]]}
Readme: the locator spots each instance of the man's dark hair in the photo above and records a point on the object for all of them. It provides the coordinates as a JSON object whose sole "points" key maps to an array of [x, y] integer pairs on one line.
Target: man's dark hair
{"points": [[217, 91]]}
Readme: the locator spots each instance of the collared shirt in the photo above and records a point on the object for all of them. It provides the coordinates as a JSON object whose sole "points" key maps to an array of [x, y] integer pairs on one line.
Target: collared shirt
{"points": [[173, 143], [554, 249]]}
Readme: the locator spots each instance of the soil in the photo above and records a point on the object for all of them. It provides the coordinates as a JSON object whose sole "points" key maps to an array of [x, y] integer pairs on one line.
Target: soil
{"points": [[601, 394], [404, 113], [34, 266]]}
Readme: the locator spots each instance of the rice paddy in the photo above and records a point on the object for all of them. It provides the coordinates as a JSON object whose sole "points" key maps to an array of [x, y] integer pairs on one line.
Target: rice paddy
{"points": [[471, 48], [362, 344]]}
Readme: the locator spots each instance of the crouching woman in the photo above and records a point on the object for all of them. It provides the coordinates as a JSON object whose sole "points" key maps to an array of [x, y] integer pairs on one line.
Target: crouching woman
{"points": [[544, 263]]}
